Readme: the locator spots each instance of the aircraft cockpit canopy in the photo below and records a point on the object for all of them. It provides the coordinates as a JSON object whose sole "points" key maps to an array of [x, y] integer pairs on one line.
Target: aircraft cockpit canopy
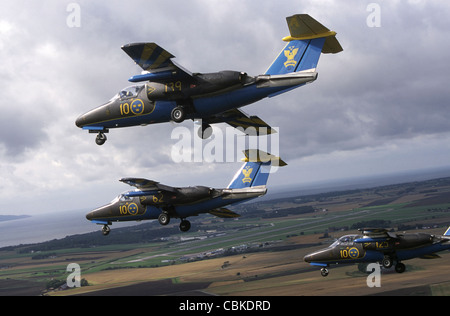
{"points": [[345, 240], [122, 198], [128, 92]]}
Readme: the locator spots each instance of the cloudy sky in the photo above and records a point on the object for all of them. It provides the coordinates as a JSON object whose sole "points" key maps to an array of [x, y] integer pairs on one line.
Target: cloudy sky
{"points": [[380, 106]]}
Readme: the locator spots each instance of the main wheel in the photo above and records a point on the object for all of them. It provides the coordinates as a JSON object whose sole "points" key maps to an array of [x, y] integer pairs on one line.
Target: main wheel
{"points": [[324, 272], [400, 267], [164, 218], [178, 114], [205, 131], [100, 139], [387, 262], [185, 225]]}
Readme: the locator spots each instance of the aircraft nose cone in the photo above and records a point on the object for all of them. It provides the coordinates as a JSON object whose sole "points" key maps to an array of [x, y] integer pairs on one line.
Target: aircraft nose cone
{"points": [[90, 216], [307, 258], [79, 121], [103, 212]]}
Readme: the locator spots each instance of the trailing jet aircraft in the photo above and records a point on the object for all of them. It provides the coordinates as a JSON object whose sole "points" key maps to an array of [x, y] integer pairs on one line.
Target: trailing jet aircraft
{"points": [[153, 200], [172, 93], [380, 245]]}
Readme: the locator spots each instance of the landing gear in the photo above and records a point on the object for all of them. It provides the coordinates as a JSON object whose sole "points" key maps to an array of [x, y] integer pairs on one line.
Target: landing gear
{"points": [[387, 262], [185, 225], [324, 272], [105, 230], [178, 114], [205, 131], [400, 267], [100, 139], [164, 218]]}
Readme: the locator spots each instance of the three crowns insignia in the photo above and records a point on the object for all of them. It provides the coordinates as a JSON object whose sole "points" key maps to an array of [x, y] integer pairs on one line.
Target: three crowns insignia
{"points": [[290, 55], [247, 171]]}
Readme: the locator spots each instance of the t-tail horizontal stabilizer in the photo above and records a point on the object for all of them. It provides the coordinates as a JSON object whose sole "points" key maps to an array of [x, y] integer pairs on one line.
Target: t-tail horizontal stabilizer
{"points": [[256, 170], [307, 41]]}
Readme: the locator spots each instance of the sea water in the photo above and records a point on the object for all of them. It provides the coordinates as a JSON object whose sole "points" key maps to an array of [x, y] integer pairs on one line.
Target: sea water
{"points": [[44, 227]]}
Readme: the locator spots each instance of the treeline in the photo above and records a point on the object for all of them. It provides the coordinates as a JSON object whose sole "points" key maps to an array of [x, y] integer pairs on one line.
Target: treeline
{"points": [[143, 233], [252, 213], [375, 223]]}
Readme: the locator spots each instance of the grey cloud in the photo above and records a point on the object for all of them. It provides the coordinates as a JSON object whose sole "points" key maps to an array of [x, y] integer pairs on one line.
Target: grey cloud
{"points": [[386, 87]]}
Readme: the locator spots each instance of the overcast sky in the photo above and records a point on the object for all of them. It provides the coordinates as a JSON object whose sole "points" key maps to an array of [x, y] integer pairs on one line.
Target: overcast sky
{"points": [[380, 106]]}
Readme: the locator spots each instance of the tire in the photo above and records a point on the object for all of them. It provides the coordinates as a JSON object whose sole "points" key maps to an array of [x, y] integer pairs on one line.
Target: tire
{"points": [[400, 267], [205, 131], [100, 139], [185, 225], [164, 218], [178, 114], [106, 230], [387, 262]]}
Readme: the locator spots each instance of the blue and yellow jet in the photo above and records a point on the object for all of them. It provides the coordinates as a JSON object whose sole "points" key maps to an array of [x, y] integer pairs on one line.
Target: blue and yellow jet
{"points": [[171, 93], [153, 200], [380, 245]]}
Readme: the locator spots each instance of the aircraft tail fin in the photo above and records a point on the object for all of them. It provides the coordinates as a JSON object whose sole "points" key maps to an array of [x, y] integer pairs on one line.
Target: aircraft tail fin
{"points": [[447, 232], [256, 170], [307, 41]]}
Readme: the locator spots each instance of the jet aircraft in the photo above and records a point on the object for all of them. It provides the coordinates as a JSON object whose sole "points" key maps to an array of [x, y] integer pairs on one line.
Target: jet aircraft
{"points": [[379, 245], [167, 92], [153, 200]]}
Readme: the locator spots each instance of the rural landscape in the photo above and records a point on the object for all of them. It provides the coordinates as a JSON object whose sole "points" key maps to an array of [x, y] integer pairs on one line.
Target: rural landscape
{"points": [[258, 254]]}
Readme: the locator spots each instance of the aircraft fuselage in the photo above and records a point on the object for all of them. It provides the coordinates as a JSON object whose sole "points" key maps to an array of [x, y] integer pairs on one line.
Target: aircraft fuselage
{"points": [[357, 248], [189, 201], [201, 96]]}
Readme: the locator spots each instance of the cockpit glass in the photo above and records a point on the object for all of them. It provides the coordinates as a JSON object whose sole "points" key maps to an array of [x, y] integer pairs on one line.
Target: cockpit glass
{"points": [[128, 92], [347, 239], [123, 198]]}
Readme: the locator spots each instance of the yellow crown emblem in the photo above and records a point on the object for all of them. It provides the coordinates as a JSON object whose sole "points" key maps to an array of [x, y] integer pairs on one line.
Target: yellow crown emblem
{"points": [[247, 171], [290, 55]]}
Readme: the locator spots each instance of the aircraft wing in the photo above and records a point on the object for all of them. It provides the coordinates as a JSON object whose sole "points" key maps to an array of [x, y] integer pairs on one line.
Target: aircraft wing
{"points": [[147, 185], [156, 62], [238, 118]]}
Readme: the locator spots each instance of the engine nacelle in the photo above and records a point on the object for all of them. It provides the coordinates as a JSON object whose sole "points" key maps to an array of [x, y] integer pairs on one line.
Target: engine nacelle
{"points": [[182, 196], [198, 84]]}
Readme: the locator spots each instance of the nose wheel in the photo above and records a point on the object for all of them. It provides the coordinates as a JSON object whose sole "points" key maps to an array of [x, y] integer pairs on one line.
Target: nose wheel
{"points": [[100, 139], [324, 272], [105, 230]]}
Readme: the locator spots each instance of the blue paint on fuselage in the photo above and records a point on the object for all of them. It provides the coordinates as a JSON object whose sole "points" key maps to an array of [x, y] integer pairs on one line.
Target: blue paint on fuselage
{"points": [[204, 107]]}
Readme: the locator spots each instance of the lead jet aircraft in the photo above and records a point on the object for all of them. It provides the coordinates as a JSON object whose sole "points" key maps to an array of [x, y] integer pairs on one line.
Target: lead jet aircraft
{"points": [[167, 92], [380, 245], [153, 200]]}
